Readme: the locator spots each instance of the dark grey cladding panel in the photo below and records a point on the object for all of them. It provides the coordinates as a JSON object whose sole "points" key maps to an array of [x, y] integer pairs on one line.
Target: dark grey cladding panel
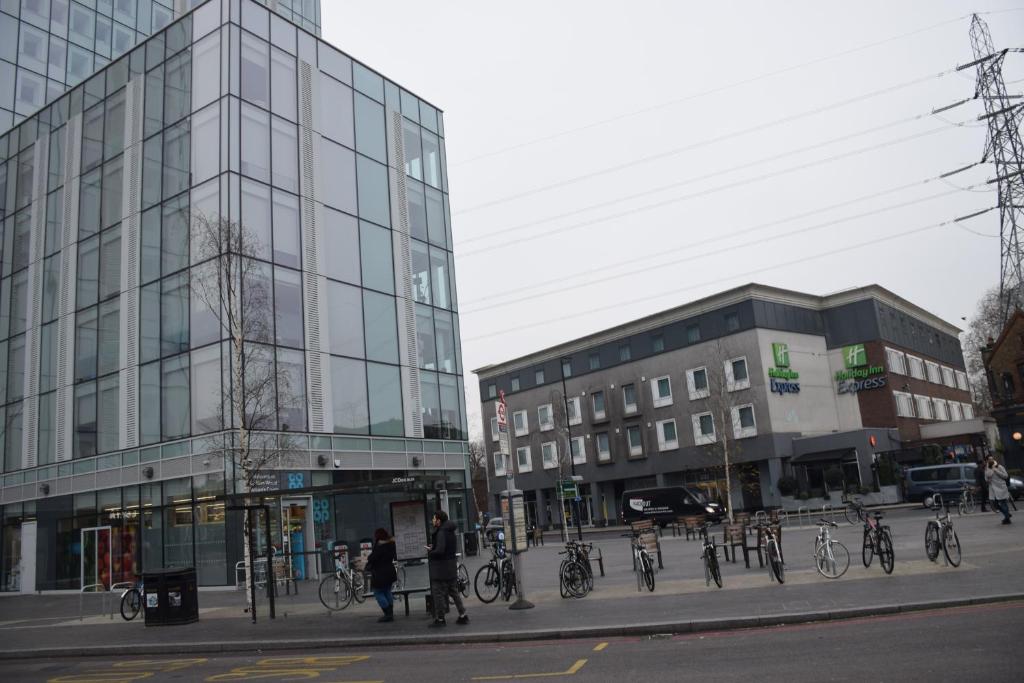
{"points": [[851, 323], [907, 332], [777, 316]]}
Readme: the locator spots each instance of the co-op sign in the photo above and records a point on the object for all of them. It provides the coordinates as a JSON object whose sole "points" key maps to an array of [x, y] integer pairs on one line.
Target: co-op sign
{"points": [[858, 375]]}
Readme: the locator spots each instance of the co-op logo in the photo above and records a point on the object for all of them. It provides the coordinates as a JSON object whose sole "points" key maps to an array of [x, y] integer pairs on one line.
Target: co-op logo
{"points": [[852, 386]]}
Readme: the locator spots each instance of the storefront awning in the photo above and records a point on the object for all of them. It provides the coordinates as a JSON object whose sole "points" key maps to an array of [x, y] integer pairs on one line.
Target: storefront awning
{"points": [[825, 456]]}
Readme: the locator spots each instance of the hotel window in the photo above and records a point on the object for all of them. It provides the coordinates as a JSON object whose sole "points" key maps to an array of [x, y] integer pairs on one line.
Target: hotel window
{"points": [[736, 376], [897, 361], [955, 412], [566, 368], [732, 322], [934, 374], [743, 424], [948, 378], [961, 381], [523, 458], [492, 391], [629, 398], [636, 446], [520, 422], [597, 401], [579, 450], [604, 453], [538, 376], [924, 408], [661, 391], [703, 429], [625, 353], [667, 438], [549, 455], [941, 409], [494, 429], [904, 404], [968, 411], [515, 384], [697, 383], [545, 417], [573, 406], [692, 334], [499, 464], [916, 367], [657, 342], [595, 361]]}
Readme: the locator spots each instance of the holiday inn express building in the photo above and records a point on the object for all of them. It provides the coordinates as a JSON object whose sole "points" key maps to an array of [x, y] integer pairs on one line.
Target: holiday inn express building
{"points": [[116, 379], [808, 383]]}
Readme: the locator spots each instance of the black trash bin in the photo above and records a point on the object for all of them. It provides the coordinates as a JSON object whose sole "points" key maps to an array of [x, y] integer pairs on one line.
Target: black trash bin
{"points": [[170, 596], [469, 543]]}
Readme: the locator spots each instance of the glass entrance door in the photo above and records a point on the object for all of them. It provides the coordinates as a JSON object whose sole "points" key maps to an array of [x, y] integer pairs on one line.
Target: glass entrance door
{"points": [[297, 536], [96, 558]]}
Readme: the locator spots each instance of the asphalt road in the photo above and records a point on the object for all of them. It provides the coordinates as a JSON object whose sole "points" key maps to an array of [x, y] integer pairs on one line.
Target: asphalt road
{"points": [[964, 644]]}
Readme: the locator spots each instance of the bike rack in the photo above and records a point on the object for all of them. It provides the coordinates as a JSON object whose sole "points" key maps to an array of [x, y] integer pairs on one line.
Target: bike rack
{"points": [[123, 586], [827, 509], [800, 512], [103, 597]]}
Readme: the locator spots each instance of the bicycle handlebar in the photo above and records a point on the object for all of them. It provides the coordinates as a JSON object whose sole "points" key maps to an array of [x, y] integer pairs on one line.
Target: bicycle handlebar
{"points": [[825, 521]]}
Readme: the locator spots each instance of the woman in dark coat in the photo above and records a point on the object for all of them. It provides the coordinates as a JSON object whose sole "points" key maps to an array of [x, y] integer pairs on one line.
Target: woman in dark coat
{"points": [[381, 565]]}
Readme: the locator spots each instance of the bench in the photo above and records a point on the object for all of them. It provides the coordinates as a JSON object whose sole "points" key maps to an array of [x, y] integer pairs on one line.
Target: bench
{"points": [[692, 525], [733, 536]]}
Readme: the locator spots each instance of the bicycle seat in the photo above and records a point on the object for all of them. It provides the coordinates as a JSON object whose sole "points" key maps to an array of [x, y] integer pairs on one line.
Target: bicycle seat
{"points": [[877, 515]]}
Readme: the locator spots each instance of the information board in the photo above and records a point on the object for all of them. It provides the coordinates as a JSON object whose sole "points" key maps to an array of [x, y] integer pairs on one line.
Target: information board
{"points": [[408, 519], [515, 541]]}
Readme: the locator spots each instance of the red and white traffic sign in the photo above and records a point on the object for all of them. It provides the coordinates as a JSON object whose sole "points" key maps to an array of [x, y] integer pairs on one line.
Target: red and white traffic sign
{"points": [[499, 409]]}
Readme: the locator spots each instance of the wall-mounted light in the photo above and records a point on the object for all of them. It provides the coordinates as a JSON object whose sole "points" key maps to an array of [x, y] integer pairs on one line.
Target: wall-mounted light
{"points": [[415, 461], [44, 489], [1017, 436], [321, 460], [147, 472]]}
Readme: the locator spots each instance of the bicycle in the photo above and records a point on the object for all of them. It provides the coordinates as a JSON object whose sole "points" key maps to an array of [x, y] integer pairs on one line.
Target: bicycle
{"points": [[575, 577], [772, 553], [965, 503], [854, 511], [831, 558], [461, 577], [709, 553], [940, 532], [642, 560], [339, 588], [497, 577], [877, 541], [131, 601]]}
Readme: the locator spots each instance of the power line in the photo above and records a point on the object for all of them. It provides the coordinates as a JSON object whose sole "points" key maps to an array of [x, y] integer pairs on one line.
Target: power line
{"points": [[712, 190], [749, 273], [705, 93]]}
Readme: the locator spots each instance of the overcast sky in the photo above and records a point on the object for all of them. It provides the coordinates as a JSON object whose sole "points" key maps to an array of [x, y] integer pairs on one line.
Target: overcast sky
{"points": [[608, 160]]}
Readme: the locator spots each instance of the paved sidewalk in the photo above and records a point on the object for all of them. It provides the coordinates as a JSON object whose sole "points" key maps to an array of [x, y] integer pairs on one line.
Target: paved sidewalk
{"points": [[48, 625]]}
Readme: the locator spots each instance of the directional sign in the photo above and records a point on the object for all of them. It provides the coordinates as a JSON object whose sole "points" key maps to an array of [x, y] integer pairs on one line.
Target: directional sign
{"points": [[503, 444]]}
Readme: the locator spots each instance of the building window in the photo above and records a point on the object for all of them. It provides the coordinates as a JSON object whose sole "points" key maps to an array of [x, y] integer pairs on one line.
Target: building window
{"points": [[657, 342], [523, 459], [629, 398], [934, 374], [732, 322], [597, 399], [924, 408], [604, 453], [697, 383], [692, 334], [499, 464], [955, 412], [566, 367], [948, 378], [595, 361], [520, 422], [941, 409], [492, 391], [968, 411], [625, 353], [743, 424], [636, 446], [1008, 387], [494, 429], [736, 376], [667, 438], [915, 366], [579, 450], [961, 381], [661, 391], [573, 406], [538, 376], [703, 429], [904, 404], [545, 417], [897, 361], [515, 384], [549, 455]]}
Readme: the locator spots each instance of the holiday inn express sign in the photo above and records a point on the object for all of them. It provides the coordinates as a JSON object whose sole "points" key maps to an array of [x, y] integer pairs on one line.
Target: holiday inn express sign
{"points": [[780, 378], [858, 375]]}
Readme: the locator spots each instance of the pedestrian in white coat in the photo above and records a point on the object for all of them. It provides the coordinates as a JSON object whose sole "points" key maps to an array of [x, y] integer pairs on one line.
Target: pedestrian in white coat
{"points": [[998, 490]]}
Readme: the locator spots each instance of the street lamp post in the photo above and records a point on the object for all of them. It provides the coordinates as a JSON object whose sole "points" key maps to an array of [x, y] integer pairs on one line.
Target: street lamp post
{"points": [[572, 461]]}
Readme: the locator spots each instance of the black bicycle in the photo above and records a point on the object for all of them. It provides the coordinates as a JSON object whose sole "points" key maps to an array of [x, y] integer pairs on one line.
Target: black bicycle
{"points": [[575, 576], [131, 601], [497, 577], [709, 553], [854, 510], [877, 541]]}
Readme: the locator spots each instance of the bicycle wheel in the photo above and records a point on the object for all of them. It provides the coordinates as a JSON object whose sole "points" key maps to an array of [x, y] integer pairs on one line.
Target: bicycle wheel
{"points": [[713, 567], [775, 561], [885, 554], [400, 581], [487, 583], [961, 507], [131, 604], [951, 545], [931, 541], [508, 580], [573, 580], [867, 549], [647, 569], [335, 593], [358, 587], [832, 560], [969, 503], [850, 512], [463, 580]]}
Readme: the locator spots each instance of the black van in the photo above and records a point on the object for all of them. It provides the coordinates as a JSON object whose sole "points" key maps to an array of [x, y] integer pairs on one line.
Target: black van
{"points": [[664, 504]]}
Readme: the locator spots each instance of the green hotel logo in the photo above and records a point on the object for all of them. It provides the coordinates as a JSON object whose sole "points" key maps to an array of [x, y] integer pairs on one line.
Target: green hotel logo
{"points": [[781, 353], [855, 356]]}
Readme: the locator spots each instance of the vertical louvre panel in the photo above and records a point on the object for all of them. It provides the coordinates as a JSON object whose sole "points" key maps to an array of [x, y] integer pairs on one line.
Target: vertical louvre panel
{"points": [[35, 252], [68, 271], [129, 380]]}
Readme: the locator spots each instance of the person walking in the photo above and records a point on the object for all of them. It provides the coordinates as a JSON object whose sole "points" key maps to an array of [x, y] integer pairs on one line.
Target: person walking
{"points": [[998, 491], [381, 565], [979, 481], [444, 570]]}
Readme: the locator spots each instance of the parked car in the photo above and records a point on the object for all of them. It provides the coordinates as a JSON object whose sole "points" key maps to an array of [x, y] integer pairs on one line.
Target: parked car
{"points": [[667, 503], [923, 482]]}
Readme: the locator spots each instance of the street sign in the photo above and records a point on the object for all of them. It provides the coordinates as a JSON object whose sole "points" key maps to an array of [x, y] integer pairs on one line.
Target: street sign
{"points": [[503, 444], [568, 489]]}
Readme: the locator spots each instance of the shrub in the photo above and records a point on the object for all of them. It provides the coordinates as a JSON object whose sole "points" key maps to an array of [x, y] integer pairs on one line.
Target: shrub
{"points": [[787, 485], [817, 493], [803, 495]]}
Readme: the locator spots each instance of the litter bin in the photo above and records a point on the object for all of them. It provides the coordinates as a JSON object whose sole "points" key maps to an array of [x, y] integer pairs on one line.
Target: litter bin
{"points": [[469, 542], [171, 596]]}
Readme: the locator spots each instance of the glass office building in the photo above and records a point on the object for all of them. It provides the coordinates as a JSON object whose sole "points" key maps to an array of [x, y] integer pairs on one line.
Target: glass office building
{"points": [[117, 378]]}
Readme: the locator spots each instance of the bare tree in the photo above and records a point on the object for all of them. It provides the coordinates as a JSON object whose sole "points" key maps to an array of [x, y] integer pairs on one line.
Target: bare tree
{"points": [[986, 323], [477, 469], [234, 287], [560, 417]]}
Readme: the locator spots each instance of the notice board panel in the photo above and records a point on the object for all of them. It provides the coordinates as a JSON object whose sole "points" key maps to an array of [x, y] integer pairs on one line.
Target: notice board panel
{"points": [[408, 519]]}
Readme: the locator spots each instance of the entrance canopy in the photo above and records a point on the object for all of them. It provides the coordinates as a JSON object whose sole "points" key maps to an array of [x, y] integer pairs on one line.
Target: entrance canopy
{"points": [[840, 445]]}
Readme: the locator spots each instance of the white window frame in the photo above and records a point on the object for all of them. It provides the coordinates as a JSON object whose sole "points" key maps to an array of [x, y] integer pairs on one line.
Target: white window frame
{"points": [[956, 412], [732, 384], [499, 459], [700, 438], [573, 404], [691, 384], [606, 454], [948, 378], [635, 450], [599, 414], [897, 361], [629, 408], [941, 409], [541, 424], [661, 401], [581, 450], [961, 381], [544, 448], [915, 366], [924, 408], [738, 430], [525, 429], [663, 443], [494, 429], [528, 467], [968, 410], [904, 404], [932, 371]]}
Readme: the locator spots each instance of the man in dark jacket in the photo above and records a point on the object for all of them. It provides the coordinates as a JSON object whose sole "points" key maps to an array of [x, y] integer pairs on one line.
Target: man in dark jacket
{"points": [[444, 570], [979, 481]]}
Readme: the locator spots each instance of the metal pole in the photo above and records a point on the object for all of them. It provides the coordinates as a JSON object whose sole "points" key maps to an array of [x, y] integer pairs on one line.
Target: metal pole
{"points": [[252, 563], [572, 461], [271, 583]]}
